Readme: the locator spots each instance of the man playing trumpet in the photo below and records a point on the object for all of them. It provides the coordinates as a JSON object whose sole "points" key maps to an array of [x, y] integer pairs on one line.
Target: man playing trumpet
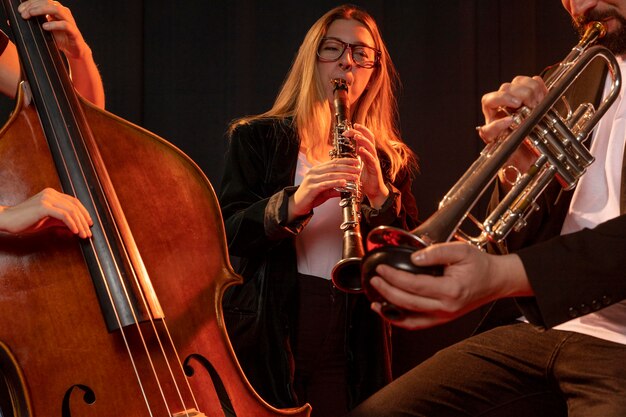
{"points": [[565, 357]]}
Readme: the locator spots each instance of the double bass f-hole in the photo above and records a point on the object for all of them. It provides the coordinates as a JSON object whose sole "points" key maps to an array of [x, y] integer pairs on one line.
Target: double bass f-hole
{"points": [[128, 322]]}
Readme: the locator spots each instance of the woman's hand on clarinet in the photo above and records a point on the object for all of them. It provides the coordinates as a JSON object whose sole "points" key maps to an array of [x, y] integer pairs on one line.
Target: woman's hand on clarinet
{"points": [[372, 181], [320, 183], [48, 208]]}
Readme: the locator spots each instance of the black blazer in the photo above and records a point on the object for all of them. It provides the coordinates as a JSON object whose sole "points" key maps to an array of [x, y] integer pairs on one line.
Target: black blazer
{"points": [[260, 314]]}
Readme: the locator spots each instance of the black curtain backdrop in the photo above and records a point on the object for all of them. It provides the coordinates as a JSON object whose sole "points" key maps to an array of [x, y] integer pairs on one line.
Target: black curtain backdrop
{"points": [[183, 70]]}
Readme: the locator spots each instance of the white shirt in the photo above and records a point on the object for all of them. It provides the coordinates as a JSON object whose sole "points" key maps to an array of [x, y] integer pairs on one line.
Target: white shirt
{"points": [[595, 200], [319, 244]]}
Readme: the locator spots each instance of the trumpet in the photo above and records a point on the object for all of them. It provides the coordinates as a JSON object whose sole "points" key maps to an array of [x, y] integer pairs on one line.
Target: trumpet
{"points": [[556, 139], [346, 274]]}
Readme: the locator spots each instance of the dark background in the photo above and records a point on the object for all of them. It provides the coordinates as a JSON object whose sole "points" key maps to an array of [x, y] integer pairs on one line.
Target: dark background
{"points": [[184, 69]]}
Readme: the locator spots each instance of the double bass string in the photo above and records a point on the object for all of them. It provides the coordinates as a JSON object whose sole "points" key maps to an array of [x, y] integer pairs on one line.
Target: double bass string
{"points": [[33, 26]]}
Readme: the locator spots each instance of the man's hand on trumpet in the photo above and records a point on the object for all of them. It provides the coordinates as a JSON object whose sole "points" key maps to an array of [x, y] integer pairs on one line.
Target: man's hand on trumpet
{"points": [[498, 107]]}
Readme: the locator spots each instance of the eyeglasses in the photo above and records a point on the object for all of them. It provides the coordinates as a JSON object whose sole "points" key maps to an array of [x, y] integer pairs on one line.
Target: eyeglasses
{"points": [[331, 49]]}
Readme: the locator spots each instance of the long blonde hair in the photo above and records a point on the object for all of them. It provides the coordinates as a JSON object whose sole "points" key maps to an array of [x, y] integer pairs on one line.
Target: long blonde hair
{"points": [[302, 96]]}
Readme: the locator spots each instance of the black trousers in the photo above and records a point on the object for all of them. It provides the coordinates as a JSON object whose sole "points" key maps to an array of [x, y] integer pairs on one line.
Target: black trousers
{"points": [[320, 348], [514, 370]]}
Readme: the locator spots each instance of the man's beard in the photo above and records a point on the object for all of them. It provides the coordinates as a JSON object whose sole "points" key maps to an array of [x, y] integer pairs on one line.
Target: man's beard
{"points": [[615, 41]]}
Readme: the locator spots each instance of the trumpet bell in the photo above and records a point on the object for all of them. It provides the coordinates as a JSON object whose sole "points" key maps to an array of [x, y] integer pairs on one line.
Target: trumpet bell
{"points": [[400, 258]]}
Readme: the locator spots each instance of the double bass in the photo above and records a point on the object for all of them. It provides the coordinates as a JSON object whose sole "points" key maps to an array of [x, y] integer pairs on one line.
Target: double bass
{"points": [[128, 322]]}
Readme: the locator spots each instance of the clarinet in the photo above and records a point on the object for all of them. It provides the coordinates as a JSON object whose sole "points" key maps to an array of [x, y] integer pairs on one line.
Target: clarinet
{"points": [[346, 274]]}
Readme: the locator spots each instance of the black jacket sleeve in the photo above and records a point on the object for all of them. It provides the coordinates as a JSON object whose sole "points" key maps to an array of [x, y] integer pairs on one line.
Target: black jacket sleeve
{"points": [[575, 274], [259, 168]]}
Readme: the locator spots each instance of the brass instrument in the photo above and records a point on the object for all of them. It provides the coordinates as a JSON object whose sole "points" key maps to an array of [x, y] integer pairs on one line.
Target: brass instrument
{"points": [[346, 274], [556, 139]]}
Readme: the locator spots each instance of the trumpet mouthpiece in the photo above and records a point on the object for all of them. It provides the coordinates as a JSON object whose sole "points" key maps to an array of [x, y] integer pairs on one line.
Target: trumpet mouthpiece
{"points": [[596, 27], [593, 31]]}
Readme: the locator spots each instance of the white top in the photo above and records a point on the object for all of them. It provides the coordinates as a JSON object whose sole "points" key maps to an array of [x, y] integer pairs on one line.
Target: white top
{"points": [[595, 200], [319, 244]]}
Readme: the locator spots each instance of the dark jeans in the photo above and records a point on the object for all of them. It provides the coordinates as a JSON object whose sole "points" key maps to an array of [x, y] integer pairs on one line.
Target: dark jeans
{"points": [[320, 348], [514, 370]]}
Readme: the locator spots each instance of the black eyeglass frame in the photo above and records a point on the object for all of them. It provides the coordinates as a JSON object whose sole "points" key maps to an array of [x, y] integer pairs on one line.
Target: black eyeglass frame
{"points": [[351, 46]]}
